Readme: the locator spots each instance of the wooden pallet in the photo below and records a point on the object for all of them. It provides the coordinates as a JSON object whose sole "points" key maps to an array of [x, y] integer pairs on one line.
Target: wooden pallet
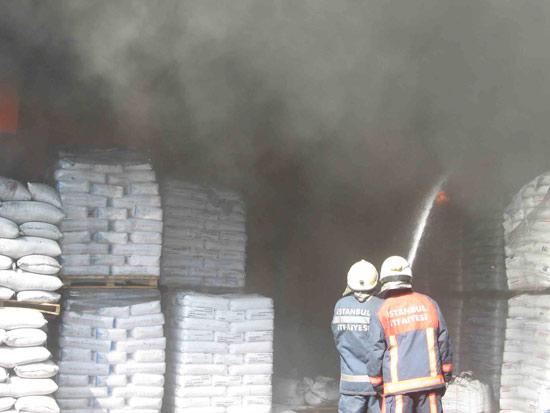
{"points": [[110, 281], [51, 309]]}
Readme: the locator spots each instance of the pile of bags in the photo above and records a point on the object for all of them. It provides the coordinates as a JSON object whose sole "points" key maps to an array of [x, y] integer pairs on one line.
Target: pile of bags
{"points": [[483, 261], [526, 368], [29, 241], [482, 341], [26, 370], [317, 392], [465, 394], [112, 351], [114, 215], [527, 235], [204, 236], [220, 353]]}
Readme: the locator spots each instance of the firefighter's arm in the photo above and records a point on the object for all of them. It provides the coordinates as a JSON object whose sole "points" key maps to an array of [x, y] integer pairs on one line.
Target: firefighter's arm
{"points": [[445, 348], [376, 350]]}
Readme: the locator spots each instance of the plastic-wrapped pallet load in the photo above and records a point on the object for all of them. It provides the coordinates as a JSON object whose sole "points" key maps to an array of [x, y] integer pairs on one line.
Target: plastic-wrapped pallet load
{"points": [[26, 369], [483, 333], [483, 261], [527, 236], [526, 367], [112, 352], [220, 353], [114, 214], [204, 240], [29, 242], [465, 394]]}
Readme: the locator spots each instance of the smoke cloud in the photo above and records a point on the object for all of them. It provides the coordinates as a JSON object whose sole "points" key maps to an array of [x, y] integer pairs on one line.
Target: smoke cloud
{"points": [[333, 116]]}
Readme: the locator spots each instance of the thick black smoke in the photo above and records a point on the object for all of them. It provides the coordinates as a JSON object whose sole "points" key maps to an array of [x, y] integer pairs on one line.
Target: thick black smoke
{"points": [[333, 116]]}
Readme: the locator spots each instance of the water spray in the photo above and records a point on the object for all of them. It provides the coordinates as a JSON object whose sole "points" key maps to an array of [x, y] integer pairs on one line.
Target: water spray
{"points": [[436, 196]]}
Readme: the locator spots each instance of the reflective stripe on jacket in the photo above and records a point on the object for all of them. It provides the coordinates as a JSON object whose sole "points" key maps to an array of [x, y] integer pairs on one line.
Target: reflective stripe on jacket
{"points": [[350, 327], [410, 344]]}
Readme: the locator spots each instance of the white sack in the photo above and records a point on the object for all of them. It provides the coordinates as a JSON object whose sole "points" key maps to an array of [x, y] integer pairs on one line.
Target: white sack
{"points": [[12, 318], [17, 248], [12, 190], [18, 387], [6, 293], [8, 229], [6, 403], [30, 211], [44, 370], [40, 230], [12, 356], [44, 193], [26, 281], [25, 337], [39, 264], [37, 404]]}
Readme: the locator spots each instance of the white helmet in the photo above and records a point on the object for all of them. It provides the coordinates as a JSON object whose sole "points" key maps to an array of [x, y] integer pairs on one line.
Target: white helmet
{"points": [[396, 273], [362, 276]]}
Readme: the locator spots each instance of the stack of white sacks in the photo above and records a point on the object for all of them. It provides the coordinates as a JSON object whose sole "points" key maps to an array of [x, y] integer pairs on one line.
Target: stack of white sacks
{"points": [[26, 370], [466, 394], [220, 353], [527, 234], [483, 333], [112, 352], [114, 214], [29, 242], [483, 261], [525, 378], [526, 368], [204, 236]]}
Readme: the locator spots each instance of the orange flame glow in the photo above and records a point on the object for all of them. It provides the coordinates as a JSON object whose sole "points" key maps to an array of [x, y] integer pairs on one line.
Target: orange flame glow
{"points": [[442, 198]]}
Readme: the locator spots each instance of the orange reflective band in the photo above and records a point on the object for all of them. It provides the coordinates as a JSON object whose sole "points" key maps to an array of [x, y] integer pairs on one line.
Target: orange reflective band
{"points": [[383, 404], [447, 368], [430, 337], [394, 359], [433, 403], [413, 384], [360, 379], [399, 404]]}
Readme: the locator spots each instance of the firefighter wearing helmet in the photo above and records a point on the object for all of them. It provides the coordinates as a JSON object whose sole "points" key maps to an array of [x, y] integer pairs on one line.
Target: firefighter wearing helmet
{"points": [[410, 344], [351, 328]]}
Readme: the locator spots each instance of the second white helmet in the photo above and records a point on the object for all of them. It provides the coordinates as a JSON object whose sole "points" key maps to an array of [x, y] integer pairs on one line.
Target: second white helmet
{"points": [[396, 273], [362, 276]]}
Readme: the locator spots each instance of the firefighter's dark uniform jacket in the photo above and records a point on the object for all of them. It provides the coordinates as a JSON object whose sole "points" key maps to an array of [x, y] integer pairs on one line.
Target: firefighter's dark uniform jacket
{"points": [[351, 327], [410, 344]]}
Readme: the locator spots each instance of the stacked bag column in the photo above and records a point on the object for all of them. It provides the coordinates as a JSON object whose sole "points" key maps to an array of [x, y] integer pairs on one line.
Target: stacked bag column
{"points": [[29, 242], [525, 382], [220, 353], [114, 214], [112, 352], [26, 368], [204, 236]]}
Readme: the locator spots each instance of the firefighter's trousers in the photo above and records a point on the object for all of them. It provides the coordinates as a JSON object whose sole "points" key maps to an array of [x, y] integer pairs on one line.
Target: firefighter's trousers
{"points": [[358, 404], [421, 402]]}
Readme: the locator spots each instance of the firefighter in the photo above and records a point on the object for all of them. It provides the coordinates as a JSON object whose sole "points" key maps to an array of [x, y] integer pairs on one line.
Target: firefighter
{"points": [[350, 326], [410, 345]]}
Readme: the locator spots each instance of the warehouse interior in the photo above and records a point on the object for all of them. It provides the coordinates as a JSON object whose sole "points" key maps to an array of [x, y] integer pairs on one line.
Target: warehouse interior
{"points": [[333, 119]]}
